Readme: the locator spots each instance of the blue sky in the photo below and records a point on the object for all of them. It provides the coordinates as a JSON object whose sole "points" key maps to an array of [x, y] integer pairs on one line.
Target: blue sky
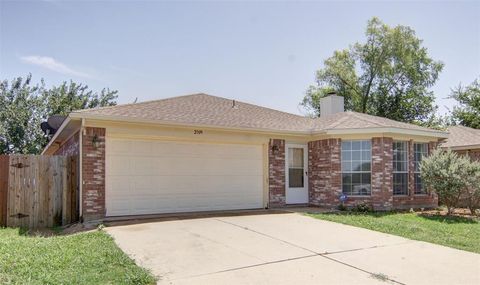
{"points": [[259, 52]]}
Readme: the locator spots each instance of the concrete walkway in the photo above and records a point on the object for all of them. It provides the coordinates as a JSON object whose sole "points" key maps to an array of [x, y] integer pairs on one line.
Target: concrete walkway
{"points": [[288, 249]]}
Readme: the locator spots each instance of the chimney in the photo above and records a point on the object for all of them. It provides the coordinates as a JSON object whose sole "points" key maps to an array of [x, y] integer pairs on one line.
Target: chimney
{"points": [[331, 104]]}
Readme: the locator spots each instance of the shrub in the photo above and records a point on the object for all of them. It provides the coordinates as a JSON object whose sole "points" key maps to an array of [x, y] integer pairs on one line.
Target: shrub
{"points": [[472, 194], [362, 207], [448, 175], [342, 207]]}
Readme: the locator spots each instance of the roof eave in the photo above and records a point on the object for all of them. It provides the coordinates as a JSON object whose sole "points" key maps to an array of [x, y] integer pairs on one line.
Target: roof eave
{"points": [[462, 147], [394, 130], [57, 133]]}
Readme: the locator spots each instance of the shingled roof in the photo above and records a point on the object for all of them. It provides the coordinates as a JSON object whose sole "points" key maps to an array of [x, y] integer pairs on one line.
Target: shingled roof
{"points": [[206, 110], [461, 137]]}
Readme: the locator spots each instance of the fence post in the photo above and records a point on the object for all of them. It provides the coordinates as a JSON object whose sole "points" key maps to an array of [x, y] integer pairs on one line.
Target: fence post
{"points": [[4, 165]]}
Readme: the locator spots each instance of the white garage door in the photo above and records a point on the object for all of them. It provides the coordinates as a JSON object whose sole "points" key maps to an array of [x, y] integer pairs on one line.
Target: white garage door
{"points": [[148, 176]]}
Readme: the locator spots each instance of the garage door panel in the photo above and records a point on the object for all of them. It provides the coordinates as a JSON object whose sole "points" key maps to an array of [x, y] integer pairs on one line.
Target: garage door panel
{"points": [[189, 150], [146, 177], [204, 166], [118, 165], [120, 147]]}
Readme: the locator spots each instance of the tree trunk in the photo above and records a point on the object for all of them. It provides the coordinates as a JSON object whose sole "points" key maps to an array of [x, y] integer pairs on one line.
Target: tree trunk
{"points": [[449, 210]]}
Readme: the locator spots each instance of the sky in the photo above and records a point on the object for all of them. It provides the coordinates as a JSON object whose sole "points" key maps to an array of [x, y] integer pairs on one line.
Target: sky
{"points": [[264, 53]]}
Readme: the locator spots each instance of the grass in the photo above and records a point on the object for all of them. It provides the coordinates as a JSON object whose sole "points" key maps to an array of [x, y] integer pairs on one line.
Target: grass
{"points": [[457, 232], [83, 258]]}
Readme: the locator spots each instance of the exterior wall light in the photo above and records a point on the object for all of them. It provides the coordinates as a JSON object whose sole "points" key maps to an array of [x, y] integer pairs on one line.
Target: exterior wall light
{"points": [[95, 141]]}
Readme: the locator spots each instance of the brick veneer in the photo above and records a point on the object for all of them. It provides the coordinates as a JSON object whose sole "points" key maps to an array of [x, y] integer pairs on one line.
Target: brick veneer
{"points": [[473, 154], [382, 176], [324, 172], [93, 193], [381, 197], [276, 172], [325, 185], [70, 147]]}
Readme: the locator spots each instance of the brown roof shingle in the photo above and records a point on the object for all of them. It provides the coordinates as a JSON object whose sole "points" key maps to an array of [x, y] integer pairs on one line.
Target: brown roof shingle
{"points": [[460, 136], [207, 110]]}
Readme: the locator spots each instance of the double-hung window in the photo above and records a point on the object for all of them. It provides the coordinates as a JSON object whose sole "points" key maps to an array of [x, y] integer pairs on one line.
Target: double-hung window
{"points": [[356, 167], [420, 150], [400, 168]]}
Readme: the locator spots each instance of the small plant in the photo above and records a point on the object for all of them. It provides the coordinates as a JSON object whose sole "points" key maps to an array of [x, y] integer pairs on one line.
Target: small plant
{"points": [[342, 207], [362, 207], [100, 227], [380, 276]]}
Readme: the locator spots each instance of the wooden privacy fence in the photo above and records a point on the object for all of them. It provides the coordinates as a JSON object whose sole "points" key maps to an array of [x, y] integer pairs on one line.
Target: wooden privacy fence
{"points": [[38, 191]]}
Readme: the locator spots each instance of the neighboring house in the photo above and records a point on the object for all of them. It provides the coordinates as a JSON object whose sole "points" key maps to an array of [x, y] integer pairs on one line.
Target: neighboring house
{"points": [[464, 140], [202, 153]]}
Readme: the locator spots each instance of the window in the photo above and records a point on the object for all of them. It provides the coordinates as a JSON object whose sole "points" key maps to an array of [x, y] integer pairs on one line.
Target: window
{"points": [[295, 168], [356, 167], [420, 150], [400, 168]]}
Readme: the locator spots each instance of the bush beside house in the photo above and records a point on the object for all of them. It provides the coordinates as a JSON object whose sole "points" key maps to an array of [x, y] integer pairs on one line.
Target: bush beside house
{"points": [[454, 178]]}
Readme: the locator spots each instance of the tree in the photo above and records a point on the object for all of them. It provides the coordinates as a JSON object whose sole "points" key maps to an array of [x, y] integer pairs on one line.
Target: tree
{"points": [[72, 96], [468, 113], [21, 112], [24, 105], [389, 75], [448, 175]]}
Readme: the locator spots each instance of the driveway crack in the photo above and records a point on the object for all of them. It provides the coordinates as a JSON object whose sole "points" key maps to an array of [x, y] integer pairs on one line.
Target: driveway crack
{"points": [[314, 253], [250, 266]]}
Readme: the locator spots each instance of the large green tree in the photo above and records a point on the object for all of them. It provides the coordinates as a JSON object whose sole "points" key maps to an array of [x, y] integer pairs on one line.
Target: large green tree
{"points": [[21, 112], [24, 105], [388, 75], [468, 111]]}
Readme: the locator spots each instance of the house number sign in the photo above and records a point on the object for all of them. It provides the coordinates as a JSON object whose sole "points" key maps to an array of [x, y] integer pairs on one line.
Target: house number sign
{"points": [[198, 132]]}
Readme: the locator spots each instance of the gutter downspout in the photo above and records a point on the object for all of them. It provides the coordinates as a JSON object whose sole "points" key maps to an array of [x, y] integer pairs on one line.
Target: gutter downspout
{"points": [[80, 154]]}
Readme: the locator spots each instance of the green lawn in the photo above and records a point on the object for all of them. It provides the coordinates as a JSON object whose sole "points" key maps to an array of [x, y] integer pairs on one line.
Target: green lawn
{"points": [[456, 232], [83, 258]]}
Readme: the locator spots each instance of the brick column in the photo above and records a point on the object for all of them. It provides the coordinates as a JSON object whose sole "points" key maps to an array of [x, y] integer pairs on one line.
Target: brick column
{"points": [[276, 172], [93, 174], [324, 172], [432, 146], [382, 178]]}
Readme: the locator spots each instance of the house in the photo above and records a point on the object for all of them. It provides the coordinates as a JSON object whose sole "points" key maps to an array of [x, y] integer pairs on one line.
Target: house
{"points": [[464, 140], [201, 153]]}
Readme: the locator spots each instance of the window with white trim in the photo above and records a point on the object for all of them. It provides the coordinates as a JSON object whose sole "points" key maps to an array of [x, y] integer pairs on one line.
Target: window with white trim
{"points": [[356, 167], [420, 150], [400, 168]]}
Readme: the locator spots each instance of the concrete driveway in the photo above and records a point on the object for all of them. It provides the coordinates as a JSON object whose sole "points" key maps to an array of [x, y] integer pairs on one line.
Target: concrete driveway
{"points": [[288, 249]]}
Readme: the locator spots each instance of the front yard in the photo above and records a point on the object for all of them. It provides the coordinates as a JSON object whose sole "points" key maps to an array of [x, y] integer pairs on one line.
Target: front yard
{"points": [[83, 258], [457, 232]]}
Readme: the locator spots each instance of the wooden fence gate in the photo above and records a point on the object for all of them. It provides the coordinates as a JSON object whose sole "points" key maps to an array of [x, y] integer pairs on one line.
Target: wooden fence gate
{"points": [[38, 191]]}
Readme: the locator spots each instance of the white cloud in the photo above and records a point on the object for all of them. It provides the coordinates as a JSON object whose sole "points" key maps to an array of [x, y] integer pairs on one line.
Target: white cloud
{"points": [[52, 64]]}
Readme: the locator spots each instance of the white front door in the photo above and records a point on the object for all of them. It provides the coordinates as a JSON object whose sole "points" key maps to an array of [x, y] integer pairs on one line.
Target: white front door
{"points": [[296, 174]]}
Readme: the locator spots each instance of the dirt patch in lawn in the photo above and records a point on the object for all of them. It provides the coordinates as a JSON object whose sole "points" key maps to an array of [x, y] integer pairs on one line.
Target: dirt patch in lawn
{"points": [[459, 214]]}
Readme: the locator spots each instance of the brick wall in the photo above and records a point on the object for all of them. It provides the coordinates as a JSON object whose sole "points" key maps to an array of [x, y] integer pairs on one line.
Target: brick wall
{"points": [[71, 147], [382, 177], [324, 172], [276, 172], [474, 154], [93, 194]]}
